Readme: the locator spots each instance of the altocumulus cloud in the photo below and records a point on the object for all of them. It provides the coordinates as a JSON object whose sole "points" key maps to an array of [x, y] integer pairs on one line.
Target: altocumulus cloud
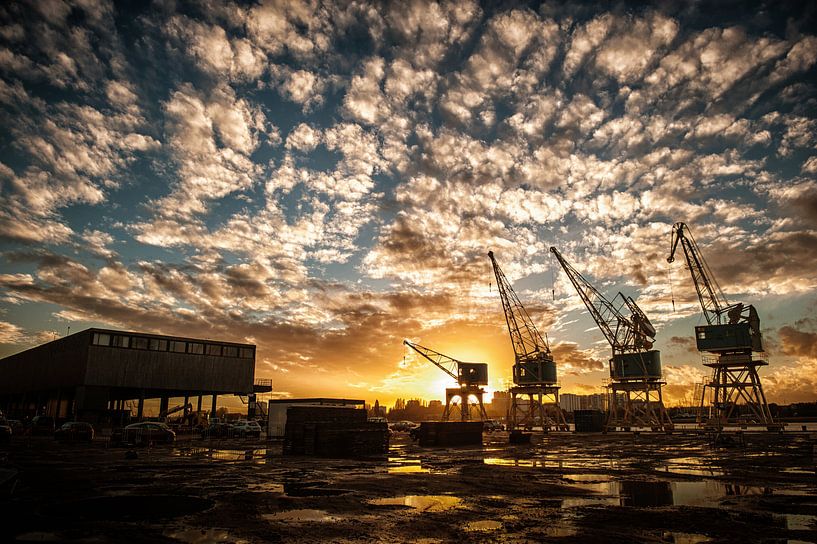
{"points": [[324, 179]]}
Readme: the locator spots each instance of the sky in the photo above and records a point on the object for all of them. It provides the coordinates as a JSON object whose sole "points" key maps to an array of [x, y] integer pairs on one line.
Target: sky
{"points": [[325, 179]]}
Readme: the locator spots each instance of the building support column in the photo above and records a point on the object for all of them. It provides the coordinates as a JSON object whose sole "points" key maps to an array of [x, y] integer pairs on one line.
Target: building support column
{"points": [[198, 409], [59, 403], [215, 401], [141, 406], [163, 406]]}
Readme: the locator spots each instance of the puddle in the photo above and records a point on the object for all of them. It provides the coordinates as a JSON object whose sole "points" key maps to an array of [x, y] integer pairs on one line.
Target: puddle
{"points": [[131, 507], [587, 501], [407, 469], [312, 489], [485, 525], [801, 522], [401, 465], [203, 536], [305, 515], [797, 471], [424, 503], [266, 487], [590, 478], [257, 455], [561, 531], [691, 466], [38, 537], [689, 538], [514, 462], [647, 494]]}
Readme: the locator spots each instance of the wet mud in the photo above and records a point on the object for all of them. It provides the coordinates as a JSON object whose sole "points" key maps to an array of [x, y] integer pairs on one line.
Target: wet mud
{"points": [[561, 488]]}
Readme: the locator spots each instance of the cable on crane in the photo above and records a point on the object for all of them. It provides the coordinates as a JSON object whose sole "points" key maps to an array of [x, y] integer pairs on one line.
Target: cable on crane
{"points": [[669, 278]]}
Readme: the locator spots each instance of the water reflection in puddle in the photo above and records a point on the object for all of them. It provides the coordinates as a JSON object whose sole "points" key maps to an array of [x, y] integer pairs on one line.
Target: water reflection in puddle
{"points": [[257, 455], [407, 469], [267, 487], [38, 536], [691, 466], [655, 493], [203, 536], [689, 538], [552, 463], [302, 516], [424, 503], [401, 465], [484, 525], [801, 522]]}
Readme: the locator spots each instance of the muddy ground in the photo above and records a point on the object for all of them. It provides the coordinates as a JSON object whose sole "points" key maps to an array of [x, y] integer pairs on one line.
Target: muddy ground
{"points": [[562, 488]]}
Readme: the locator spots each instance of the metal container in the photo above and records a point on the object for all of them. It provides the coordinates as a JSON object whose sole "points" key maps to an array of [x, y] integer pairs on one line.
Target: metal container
{"points": [[540, 371], [636, 365], [717, 338], [589, 421], [473, 373]]}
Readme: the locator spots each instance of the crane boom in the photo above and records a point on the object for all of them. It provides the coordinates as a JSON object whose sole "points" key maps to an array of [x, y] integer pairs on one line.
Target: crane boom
{"points": [[525, 337], [443, 362], [713, 302], [622, 333], [603, 312]]}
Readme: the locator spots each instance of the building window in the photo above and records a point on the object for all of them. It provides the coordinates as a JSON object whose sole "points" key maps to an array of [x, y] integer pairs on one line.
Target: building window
{"points": [[230, 351], [140, 343], [177, 346], [246, 353], [701, 335], [214, 349], [121, 341], [157, 344], [101, 339], [198, 349]]}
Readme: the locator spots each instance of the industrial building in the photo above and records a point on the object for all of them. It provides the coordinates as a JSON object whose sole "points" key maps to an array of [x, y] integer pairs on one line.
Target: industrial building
{"points": [[92, 374]]}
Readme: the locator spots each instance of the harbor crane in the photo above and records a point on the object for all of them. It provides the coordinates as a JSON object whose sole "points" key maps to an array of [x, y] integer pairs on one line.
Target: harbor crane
{"points": [[469, 378], [733, 341], [534, 371], [636, 398]]}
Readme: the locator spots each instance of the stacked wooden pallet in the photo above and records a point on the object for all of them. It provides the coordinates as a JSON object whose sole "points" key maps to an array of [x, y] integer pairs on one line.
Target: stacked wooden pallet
{"points": [[333, 432]]}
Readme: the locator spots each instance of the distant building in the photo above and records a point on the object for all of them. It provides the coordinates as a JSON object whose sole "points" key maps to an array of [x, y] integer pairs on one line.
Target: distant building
{"points": [[570, 402], [90, 375]]}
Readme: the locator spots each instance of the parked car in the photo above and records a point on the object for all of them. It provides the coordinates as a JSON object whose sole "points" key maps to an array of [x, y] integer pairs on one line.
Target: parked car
{"points": [[16, 425], [218, 430], [403, 426], [5, 432], [249, 428], [491, 425], [75, 431], [42, 425], [148, 432]]}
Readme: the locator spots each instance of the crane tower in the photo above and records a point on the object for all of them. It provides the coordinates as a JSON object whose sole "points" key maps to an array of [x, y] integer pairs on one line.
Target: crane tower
{"points": [[636, 398], [469, 377], [535, 394], [733, 344]]}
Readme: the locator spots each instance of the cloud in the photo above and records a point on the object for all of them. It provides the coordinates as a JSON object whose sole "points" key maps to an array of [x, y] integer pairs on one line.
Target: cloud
{"points": [[303, 138], [799, 340], [10, 333]]}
